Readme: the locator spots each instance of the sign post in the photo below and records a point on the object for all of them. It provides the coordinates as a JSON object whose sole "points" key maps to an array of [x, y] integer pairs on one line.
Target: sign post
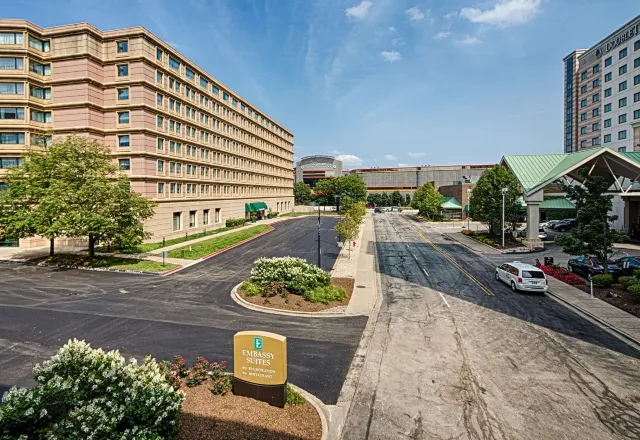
{"points": [[260, 366]]}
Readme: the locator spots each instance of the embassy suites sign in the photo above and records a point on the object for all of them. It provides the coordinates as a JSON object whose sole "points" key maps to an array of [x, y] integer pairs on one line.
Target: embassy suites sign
{"points": [[619, 39]]}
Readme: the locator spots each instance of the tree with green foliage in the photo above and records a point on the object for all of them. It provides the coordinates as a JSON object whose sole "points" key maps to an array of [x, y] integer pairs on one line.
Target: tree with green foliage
{"points": [[385, 200], [302, 193], [427, 200], [349, 185], [408, 200], [396, 198], [357, 211], [486, 199], [348, 229], [593, 234]]}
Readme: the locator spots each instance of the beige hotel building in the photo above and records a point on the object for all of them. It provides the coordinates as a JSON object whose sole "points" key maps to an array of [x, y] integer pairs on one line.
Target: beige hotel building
{"points": [[187, 141], [602, 93]]}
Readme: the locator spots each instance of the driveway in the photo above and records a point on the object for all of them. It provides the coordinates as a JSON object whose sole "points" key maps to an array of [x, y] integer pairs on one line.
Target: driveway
{"points": [[189, 313]]}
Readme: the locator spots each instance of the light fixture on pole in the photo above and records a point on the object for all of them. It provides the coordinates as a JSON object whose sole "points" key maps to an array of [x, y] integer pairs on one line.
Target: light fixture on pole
{"points": [[468, 208], [504, 193]]}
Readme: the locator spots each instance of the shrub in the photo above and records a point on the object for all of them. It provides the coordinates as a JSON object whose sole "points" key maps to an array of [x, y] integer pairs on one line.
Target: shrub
{"points": [[634, 290], [170, 374], [274, 289], [326, 294], [230, 223], [82, 391], [468, 232], [179, 366], [198, 373], [294, 397], [221, 385], [636, 273], [297, 276], [627, 281], [562, 274], [602, 280], [250, 288]]}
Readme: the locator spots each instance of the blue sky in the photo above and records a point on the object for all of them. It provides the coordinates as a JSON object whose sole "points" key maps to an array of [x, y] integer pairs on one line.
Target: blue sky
{"points": [[379, 82]]}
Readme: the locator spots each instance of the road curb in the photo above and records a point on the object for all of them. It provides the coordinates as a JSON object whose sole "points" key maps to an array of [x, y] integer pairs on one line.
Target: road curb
{"points": [[600, 321], [320, 407], [246, 304]]}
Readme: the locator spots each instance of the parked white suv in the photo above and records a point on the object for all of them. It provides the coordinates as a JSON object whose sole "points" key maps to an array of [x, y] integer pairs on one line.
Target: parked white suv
{"points": [[522, 277]]}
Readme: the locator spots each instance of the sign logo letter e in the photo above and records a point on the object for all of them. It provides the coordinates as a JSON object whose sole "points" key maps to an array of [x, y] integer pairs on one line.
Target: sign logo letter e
{"points": [[257, 343]]}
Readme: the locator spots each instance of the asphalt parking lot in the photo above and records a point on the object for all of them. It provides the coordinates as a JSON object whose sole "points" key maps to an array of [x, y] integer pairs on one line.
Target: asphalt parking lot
{"points": [[189, 313]]}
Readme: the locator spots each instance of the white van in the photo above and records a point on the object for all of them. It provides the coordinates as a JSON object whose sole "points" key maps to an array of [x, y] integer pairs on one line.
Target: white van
{"points": [[522, 277]]}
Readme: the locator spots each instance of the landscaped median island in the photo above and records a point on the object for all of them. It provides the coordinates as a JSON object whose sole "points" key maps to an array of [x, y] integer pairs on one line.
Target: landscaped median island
{"points": [[86, 393], [622, 292], [207, 247], [105, 262], [150, 247], [289, 283]]}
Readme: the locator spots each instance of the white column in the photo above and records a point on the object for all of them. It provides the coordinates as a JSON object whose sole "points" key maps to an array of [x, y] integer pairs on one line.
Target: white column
{"points": [[533, 220]]}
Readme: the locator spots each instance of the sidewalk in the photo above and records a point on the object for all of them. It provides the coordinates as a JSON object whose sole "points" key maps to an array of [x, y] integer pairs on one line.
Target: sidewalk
{"points": [[610, 316], [365, 292]]}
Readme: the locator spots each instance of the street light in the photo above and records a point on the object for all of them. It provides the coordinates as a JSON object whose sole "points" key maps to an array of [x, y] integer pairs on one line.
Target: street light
{"points": [[469, 206], [504, 193]]}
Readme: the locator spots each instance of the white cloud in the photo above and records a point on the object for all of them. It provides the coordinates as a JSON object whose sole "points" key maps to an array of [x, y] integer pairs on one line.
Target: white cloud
{"points": [[359, 12], [390, 157], [416, 155], [391, 56], [504, 13], [392, 29], [442, 35], [415, 14], [469, 40], [336, 152], [349, 159], [401, 164]]}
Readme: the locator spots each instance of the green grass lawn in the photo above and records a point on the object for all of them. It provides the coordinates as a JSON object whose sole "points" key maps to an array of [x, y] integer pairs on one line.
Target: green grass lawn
{"points": [[204, 248], [110, 263], [150, 247], [302, 214]]}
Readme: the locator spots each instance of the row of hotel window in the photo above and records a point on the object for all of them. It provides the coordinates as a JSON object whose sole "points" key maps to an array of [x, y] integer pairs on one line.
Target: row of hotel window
{"points": [[608, 92], [608, 61], [17, 38], [18, 64], [193, 216], [17, 88], [607, 122], [622, 135], [18, 113], [622, 102], [609, 76]]}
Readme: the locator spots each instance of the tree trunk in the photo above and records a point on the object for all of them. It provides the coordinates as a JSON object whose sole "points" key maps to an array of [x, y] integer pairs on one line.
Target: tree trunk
{"points": [[92, 245], [51, 247]]}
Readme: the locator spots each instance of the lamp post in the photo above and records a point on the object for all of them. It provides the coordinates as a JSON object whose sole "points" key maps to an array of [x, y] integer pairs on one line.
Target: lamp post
{"points": [[319, 250], [504, 193], [468, 210]]}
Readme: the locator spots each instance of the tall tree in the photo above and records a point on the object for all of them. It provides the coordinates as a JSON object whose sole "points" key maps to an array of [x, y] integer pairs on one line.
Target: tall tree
{"points": [[301, 193], [486, 199], [593, 234], [396, 198], [427, 200], [349, 185], [408, 199], [385, 200]]}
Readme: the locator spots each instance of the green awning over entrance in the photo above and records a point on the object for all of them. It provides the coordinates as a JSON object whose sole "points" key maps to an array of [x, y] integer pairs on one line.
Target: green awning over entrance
{"points": [[254, 207], [450, 203]]}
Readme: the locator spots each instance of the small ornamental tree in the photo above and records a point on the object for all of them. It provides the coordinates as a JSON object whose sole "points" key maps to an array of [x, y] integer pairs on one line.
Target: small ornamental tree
{"points": [[427, 200], [593, 234], [348, 230], [396, 198], [302, 193], [486, 199]]}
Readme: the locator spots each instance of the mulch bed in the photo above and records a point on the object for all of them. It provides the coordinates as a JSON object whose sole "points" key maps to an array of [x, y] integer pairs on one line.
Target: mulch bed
{"points": [[298, 303], [207, 416], [618, 298]]}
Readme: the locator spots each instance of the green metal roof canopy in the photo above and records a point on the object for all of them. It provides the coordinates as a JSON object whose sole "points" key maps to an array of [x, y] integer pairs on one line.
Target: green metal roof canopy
{"points": [[451, 203], [556, 204], [256, 206]]}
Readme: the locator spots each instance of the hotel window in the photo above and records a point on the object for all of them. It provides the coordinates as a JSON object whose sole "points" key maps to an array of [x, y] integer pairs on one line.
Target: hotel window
{"points": [[160, 121], [636, 63], [12, 138], [172, 167], [622, 102], [123, 94], [636, 80], [174, 64], [172, 146], [192, 219], [11, 112], [595, 127], [636, 45], [205, 214], [160, 144], [583, 130], [607, 123], [607, 108], [172, 103], [11, 63], [158, 55], [123, 140], [159, 98], [42, 117], [622, 149], [123, 117], [607, 138], [11, 162], [622, 69], [189, 73], [595, 112], [12, 89], [159, 77], [595, 141], [179, 188], [217, 219], [622, 118], [160, 188], [583, 144], [608, 77], [178, 168], [596, 68], [607, 92], [43, 141], [177, 219], [40, 69], [204, 83], [11, 38], [123, 46], [38, 92], [215, 90], [172, 188], [622, 134], [596, 83], [584, 88], [161, 165], [225, 97], [123, 70], [41, 45], [622, 53], [584, 75], [608, 61], [596, 97], [636, 114], [622, 86], [124, 164]]}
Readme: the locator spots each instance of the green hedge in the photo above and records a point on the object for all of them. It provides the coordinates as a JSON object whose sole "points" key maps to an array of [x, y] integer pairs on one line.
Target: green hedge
{"points": [[603, 280], [634, 290], [627, 281], [230, 223]]}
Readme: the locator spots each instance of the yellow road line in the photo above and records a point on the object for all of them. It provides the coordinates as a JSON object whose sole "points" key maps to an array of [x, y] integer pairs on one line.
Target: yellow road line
{"points": [[450, 259]]}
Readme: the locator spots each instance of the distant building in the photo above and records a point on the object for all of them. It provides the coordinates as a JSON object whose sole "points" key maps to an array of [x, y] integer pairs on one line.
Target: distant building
{"points": [[312, 169]]}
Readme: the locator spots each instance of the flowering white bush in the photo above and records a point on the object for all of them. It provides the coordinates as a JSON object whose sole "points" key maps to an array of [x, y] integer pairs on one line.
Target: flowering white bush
{"points": [[89, 394], [297, 276]]}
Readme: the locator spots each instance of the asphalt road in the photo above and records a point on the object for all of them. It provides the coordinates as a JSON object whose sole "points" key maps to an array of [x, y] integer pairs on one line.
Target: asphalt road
{"points": [[461, 356], [189, 313]]}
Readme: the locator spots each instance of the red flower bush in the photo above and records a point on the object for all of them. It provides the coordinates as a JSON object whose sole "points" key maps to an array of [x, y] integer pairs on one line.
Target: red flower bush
{"points": [[562, 274]]}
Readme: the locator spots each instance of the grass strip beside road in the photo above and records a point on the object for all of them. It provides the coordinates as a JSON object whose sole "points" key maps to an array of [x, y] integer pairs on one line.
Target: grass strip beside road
{"points": [[110, 263], [207, 247], [150, 247]]}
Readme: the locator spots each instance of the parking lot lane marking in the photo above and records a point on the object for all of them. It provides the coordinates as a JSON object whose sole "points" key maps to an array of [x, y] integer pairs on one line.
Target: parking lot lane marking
{"points": [[451, 260]]}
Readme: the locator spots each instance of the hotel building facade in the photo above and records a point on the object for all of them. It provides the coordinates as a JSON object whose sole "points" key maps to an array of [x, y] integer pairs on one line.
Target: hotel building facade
{"points": [[602, 93], [187, 141]]}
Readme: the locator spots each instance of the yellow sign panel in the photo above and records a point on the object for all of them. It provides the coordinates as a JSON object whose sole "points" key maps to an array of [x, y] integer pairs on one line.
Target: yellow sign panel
{"points": [[260, 357]]}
